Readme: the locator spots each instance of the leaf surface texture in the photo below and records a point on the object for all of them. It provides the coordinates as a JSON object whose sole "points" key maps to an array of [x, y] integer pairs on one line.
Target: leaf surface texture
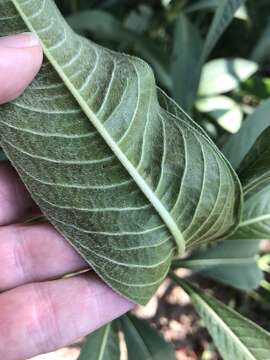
{"points": [[235, 336], [114, 164]]}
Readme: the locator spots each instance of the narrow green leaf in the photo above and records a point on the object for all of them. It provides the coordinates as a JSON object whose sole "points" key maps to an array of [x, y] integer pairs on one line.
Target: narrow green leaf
{"points": [[237, 146], [235, 336], [255, 174], [185, 62], [199, 5], [260, 53], [128, 182], [224, 15], [232, 262], [143, 341], [103, 344], [220, 76]]}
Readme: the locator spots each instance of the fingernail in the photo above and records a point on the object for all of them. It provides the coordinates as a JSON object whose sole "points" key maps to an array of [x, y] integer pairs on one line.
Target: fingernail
{"points": [[23, 40]]}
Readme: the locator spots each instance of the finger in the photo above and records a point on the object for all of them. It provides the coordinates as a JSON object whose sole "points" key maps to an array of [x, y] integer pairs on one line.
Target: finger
{"points": [[20, 60], [15, 200], [31, 253], [43, 317]]}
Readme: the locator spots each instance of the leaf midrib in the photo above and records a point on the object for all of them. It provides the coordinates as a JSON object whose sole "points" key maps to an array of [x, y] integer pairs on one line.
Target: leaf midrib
{"points": [[104, 342], [224, 325], [217, 262], [254, 220], [144, 187], [201, 301]]}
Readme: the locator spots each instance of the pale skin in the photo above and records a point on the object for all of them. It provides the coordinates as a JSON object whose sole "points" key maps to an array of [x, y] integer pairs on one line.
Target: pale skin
{"points": [[39, 311]]}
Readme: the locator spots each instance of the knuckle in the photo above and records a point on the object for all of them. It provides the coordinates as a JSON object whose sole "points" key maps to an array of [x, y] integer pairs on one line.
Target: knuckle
{"points": [[20, 252], [44, 328]]}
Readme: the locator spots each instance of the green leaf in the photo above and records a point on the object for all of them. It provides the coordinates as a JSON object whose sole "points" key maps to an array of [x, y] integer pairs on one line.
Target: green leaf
{"points": [[257, 87], [237, 146], [143, 341], [103, 344], [261, 51], [235, 336], [105, 26], [199, 5], [224, 110], [232, 262], [255, 175], [127, 182], [223, 75], [224, 15], [2, 155], [185, 58], [101, 23]]}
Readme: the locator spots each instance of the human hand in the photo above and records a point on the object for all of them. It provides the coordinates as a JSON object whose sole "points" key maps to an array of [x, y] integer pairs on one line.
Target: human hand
{"points": [[39, 311]]}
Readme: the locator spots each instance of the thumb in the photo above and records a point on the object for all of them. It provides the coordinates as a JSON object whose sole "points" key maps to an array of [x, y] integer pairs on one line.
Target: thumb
{"points": [[20, 60]]}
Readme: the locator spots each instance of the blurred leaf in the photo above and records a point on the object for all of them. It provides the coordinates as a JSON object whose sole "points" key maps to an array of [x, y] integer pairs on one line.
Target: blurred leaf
{"points": [[242, 13], [232, 262], [2, 155], [223, 75], [224, 110], [238, 146], [223, 17], [144, 342], [105, 25], [103, 344], [185, 62], [257, 87], [199, 5], [138, 21], [261, 52], [235, 336], [255, 175]]}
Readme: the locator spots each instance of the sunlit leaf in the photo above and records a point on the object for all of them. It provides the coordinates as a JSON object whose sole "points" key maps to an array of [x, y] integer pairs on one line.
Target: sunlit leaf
{"points": [[220, 76], [224, 110]]}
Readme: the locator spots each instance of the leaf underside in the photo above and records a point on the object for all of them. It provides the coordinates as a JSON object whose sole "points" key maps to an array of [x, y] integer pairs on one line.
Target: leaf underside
{"points": [[113, 163]]}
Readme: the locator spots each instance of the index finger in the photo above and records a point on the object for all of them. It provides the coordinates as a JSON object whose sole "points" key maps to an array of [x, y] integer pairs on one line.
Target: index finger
{"points": [[43, 317]]}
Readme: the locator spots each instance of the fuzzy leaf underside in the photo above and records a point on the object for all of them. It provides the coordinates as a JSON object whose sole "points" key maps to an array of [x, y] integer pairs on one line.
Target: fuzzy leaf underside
{"points": [[115, 166]]}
